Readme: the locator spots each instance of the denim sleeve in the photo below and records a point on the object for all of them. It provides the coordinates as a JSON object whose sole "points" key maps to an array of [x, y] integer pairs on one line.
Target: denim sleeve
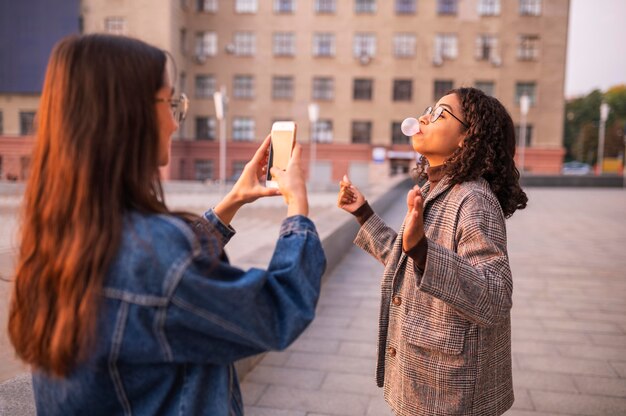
{"points": [[225, 232], [219, 313]]}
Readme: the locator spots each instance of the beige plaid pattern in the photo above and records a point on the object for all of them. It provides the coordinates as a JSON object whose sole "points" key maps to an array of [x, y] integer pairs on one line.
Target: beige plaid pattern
{"points": [[444, 345]]}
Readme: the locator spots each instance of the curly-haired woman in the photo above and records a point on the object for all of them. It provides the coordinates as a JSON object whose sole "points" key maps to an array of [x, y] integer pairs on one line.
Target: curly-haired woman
{"points": [[444, 344]]}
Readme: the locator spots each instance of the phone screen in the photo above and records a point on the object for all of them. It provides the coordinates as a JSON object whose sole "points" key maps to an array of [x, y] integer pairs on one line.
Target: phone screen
{"points": [[280, 150]]}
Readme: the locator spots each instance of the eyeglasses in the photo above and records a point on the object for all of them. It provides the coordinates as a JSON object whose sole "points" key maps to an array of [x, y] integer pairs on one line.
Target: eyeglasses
{"points": [[437, 112], [179, 106]]}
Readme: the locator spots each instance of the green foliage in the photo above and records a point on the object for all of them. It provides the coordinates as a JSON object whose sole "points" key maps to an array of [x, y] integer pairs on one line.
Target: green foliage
{"points": [[582, 118]]}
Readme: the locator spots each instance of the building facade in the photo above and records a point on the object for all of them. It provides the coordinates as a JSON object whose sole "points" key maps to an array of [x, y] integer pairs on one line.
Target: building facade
{"points": [[367, 64]]}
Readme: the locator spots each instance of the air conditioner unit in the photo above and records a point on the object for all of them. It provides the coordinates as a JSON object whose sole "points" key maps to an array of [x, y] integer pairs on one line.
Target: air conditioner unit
{"points": [[230, 48], [437, 60], [495, 60], [200, 58], [365, 58]]}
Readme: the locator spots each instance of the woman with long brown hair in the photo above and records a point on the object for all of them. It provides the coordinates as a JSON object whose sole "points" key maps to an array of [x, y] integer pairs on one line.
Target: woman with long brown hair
{"points": [[121, 306]]}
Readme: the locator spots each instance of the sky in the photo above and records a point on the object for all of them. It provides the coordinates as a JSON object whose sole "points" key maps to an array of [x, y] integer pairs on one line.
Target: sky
{"points": [[596, 50]]}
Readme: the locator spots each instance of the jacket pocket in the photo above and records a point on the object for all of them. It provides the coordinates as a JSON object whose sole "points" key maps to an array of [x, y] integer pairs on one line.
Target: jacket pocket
{"points": [[439, 330]]}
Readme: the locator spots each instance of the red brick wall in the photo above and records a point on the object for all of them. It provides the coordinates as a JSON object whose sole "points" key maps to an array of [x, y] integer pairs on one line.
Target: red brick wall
{"points": [[15, 153]]}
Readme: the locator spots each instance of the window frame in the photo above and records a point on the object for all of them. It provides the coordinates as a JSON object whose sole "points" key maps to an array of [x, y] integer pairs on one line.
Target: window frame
{"points": [[367, 125]]}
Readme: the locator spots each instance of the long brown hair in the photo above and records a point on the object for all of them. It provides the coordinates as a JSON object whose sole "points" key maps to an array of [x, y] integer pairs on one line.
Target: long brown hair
{"points": [[95, 157], [488, 149]]}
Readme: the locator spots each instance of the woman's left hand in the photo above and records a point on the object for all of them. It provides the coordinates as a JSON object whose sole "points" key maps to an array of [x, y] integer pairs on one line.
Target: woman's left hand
{"points": [[414, 220]]}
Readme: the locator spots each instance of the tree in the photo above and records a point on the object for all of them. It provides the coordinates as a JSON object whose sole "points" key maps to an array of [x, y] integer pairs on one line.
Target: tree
{"points": [[582, 118]]}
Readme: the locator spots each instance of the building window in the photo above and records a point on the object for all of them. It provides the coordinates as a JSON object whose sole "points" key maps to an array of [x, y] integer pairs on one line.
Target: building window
{"points": [[203, 169], [205, 86], [528, 47], [447, 6], [402, 89], [238, 167], [246, 6], [282, 88], [446, 46], [245, 43], [361, 132], [115, 25], [489, 7], [207, 6], [441, 88], [526, 88], [362, 89], [27, 122], [529, 135], [243, 129], [206, 44], [365, 6], [323, 131], [183, 42], [243, 86], [323, 88], [404, 45], [530, 7], [205, 128], [284, 44], [405, 6], [488, 87], [284, 6], [364, 45], [323, 44], [397, 137], [486, 46], [182, 82], [325, 6]]}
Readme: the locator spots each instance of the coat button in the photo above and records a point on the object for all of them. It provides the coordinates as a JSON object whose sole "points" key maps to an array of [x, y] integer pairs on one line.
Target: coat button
{"points": [[391, 351], [397, 300]]}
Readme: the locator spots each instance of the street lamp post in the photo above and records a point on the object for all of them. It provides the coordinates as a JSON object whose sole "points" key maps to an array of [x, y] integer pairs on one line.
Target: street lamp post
{"points": [[624, 159], [314, 113], [220, 99], [604, 114], [524, 105]]}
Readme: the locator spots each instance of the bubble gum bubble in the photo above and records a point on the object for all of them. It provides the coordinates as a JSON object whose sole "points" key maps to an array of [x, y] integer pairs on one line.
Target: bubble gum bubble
{"points": [[410, 126]]}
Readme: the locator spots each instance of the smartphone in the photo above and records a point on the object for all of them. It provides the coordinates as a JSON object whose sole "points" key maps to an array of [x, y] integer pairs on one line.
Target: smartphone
{"points": [[281, 145]]}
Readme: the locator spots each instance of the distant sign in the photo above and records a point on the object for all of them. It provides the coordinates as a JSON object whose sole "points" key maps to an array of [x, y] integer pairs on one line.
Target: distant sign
{"points": [[378, 154], [397, 154]]}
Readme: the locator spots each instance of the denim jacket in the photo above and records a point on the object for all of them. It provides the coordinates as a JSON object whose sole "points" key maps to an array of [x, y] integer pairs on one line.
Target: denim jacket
{"points": [[174, 318]]}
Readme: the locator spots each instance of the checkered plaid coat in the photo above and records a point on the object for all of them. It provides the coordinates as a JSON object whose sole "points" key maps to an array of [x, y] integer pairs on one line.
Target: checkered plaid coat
{"points": [[444, 345]]}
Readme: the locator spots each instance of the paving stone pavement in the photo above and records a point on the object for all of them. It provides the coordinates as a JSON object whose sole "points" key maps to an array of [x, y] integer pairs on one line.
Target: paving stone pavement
{"points": [[567, 252]]}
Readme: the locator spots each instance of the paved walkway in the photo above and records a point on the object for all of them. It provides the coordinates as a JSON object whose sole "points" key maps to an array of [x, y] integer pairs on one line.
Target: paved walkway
{"points": [[568, 257], [569, 320]]}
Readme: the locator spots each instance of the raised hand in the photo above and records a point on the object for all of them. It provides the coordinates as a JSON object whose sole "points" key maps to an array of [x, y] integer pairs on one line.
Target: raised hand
{"points": [[350, 198], [248, 187], [291, 184], [414, 220]]}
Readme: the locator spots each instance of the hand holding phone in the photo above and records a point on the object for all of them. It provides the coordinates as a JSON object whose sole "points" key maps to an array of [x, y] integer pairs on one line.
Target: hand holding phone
{"points": [[283, 139]]}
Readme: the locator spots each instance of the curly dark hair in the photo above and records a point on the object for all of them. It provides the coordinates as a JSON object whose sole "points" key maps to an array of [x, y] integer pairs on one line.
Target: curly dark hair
{"points": [[487, 150]]}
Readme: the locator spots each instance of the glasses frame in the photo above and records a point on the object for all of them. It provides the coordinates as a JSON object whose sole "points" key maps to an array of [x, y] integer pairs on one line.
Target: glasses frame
{"points": [[178, 105], [436, 112]]}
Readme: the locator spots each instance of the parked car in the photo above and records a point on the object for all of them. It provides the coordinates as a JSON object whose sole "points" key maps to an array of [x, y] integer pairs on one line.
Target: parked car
{"points": [[576, 168]]}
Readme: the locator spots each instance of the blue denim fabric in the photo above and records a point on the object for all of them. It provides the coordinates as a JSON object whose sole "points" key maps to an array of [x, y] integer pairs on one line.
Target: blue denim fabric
{"points": [[175, 317]]}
